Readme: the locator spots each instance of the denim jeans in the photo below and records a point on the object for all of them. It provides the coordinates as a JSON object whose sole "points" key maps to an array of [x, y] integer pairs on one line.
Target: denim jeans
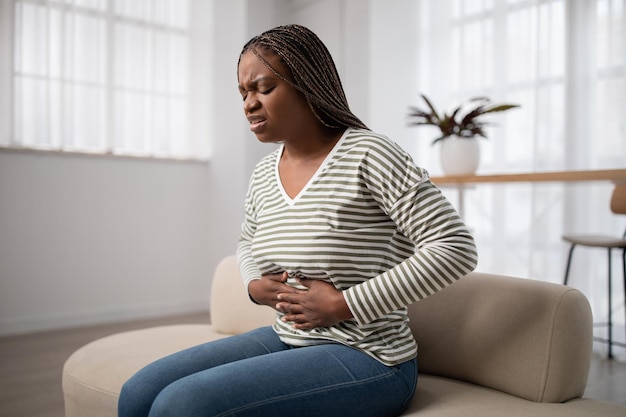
{"points": [[255, 374]]}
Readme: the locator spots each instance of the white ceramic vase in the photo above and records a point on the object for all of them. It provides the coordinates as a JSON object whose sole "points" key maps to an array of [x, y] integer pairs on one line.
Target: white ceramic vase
{"points": [[459, 156]]}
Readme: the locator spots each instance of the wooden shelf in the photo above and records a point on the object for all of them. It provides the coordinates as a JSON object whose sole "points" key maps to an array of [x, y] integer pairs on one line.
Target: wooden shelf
{"points": [[614, 175]]}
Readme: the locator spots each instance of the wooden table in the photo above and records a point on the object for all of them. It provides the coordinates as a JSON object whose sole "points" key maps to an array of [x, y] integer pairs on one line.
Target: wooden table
{"points": [[461, 182]]}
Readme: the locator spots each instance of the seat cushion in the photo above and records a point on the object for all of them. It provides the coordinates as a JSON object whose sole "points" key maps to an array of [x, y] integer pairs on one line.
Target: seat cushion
{"points": [[93, 375], [598, 241], [443, 397]]}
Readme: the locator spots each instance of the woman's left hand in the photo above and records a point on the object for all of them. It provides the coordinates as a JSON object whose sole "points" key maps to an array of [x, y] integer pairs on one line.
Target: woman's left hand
{"points": [[321, 305]]}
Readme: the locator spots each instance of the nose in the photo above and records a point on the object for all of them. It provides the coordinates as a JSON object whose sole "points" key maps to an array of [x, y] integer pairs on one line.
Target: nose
{"points": [[250, 103]]}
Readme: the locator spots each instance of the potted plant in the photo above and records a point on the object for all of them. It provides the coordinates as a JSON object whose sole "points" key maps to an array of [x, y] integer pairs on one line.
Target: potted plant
{"points": [[460, 152]]}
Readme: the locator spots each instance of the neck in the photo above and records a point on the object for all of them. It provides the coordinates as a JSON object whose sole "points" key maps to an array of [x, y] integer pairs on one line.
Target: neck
{"points": [[312, 146]]}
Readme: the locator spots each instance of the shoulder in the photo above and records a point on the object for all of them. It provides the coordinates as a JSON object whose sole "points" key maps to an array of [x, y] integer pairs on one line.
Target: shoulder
{"points": [[267, 164], [378, 151], [362, 139]]}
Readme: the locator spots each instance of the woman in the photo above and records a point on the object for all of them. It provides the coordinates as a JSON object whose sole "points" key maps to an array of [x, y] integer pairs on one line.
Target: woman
{"points": [[341, 232]]}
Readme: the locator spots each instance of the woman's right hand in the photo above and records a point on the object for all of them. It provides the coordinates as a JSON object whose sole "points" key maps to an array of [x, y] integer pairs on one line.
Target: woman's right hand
{"points": [[265, 290]]}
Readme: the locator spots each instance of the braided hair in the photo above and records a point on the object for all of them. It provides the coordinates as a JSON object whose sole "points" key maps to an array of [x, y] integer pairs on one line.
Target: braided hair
{"points": [[312, 69]]}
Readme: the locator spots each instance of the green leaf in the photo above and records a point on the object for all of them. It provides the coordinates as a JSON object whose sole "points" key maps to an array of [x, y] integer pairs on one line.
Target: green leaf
{"points": [[468, 126]]}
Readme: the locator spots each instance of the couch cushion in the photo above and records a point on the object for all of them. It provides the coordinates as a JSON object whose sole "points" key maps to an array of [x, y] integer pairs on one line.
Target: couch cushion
{"points": [[443, 397], [232, 312], [95, 373], [530, 338]]}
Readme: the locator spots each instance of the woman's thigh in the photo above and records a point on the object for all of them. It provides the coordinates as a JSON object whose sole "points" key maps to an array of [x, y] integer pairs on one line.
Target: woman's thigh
{"points": [[323, 380], [140, 391]]}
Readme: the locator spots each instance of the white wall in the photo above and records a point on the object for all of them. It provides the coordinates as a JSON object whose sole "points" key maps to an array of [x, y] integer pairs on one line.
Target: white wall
{"points": [[87, 239], [394, 77]]}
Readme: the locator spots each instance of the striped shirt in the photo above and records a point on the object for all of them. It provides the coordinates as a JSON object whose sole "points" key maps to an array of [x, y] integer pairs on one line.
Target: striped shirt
{"points": [[371, 223]]}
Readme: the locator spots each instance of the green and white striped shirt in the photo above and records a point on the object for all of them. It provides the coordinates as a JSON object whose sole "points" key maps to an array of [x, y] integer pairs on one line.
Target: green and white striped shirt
{"points": [[371, 223]]}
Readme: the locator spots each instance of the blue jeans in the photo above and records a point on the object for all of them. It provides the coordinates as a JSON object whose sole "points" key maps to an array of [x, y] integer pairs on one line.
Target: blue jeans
{"points": [[256, 375]]}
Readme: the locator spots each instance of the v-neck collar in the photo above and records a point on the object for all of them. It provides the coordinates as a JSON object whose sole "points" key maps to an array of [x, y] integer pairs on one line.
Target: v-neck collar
{"points": [[291, 201]]}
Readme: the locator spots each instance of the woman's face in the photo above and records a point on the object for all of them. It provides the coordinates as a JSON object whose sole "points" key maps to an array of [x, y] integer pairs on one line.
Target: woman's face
{"points": [[275, 110]]}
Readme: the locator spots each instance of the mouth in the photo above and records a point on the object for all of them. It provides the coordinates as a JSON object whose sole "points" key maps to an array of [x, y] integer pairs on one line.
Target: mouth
{"points": [[256, 122]]}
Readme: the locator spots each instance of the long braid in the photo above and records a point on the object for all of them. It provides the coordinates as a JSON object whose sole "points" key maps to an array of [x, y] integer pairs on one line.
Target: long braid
{"points": [[312, 69]]}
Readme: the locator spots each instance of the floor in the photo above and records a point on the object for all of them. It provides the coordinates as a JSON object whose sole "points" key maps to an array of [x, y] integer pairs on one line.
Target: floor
{"points": [[31, 365]]}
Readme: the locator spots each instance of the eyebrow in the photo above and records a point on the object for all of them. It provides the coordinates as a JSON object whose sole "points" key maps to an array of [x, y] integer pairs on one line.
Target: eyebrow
{"points": [[257, 81]]}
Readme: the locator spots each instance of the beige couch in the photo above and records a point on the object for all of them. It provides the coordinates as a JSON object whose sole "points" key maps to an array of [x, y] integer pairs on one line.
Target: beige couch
{"points": [[488, 346]]}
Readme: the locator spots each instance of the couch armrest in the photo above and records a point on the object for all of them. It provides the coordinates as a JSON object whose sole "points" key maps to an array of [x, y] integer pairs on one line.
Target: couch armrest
{"points": [[529, 338], [232, 312]]}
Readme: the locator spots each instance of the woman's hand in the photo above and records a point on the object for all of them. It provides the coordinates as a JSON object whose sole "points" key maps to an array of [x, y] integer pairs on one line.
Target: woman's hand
{"points": [[265, 290], [321, 305]]}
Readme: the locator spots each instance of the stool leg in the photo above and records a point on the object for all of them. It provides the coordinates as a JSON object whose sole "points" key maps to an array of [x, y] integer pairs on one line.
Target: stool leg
{"points": [[610, 325], [624, 275], [569, 262]]}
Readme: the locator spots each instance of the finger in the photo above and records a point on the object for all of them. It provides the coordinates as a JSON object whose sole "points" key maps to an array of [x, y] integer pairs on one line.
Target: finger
{"points": [[298, 320], [292, 297], [289, 309], [289, 318], [278, 277], [303, 325], [286, 308]]}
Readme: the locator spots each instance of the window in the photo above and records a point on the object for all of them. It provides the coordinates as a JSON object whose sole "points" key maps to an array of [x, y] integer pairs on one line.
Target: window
{"points": [[565, 63], [106, 77], [610, 87]]}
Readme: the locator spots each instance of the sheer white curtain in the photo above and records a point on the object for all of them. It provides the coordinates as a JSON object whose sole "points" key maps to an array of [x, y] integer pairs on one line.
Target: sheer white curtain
{"points": [[109, 76], [565, 63]]}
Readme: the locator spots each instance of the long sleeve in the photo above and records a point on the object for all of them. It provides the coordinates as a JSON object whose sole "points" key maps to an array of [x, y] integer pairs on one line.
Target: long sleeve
{"points": [[248, 268], [258, 185], [445, 252]]}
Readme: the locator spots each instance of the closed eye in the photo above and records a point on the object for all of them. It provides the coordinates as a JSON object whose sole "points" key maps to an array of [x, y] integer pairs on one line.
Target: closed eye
{"points": [[263, 85], [263, 91]]}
